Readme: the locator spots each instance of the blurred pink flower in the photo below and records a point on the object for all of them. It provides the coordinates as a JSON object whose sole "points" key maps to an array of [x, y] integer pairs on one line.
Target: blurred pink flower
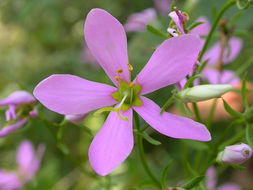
{"points": [[163, 6], [21, 107], [76, 119], [211, 181], [212, 55], [106, 38], [138, 21], [28, 162]]}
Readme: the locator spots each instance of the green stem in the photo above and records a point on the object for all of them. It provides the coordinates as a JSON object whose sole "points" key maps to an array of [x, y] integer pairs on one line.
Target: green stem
{"points": [[196, 112], [144, 162], [216, 21], [211, 114], [141, 152], [64, 150]]}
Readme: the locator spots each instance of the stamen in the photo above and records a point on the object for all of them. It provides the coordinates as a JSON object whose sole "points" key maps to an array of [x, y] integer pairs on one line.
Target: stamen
{"points": [[131, 85], [117, 78], [98, 112], [130, 67], [119, 71]]}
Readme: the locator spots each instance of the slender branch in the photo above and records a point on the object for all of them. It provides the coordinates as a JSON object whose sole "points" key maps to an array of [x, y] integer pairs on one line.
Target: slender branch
{"points": [[141, 152]]}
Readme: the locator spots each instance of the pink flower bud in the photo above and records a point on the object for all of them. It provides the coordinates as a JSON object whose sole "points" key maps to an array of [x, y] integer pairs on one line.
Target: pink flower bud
{"points": [[236, 154]]}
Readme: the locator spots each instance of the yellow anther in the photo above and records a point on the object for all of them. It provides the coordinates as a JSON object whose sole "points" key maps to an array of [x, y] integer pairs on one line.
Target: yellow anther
{"points": [[119, 71], [130, 67], [186, 16], [117, 78], [131, 85]]}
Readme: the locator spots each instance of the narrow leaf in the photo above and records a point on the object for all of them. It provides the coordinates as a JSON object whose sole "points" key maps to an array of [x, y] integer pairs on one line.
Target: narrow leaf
{"points": [[173, 4], [150, 139], [197, 145], [193, 25], [190, 81], [249, 135], [156, 32], [231, 111], [164, 174], [237, 167], [244, 93], [193, 182]]}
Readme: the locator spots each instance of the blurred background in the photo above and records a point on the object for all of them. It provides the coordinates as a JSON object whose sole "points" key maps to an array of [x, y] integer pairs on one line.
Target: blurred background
{"points": [[43, 37]]}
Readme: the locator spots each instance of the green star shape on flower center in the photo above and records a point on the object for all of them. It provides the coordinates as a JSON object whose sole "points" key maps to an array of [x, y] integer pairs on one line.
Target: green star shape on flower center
{"points": [[132, 91]]}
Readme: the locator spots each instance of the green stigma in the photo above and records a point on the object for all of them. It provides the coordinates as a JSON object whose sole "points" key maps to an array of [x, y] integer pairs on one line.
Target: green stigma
{"points": [[128, 95]]}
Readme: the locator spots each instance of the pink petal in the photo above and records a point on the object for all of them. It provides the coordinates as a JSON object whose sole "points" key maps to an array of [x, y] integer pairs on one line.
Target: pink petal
{"points": [[163, 6], [215, 77], [69, 94], [138, 21], [202, 30], [106, 39], [76, 119], [211, 179], [175, 17], [229, 186], [112, 144], [9, 181], [170, 63], [11, 128], [18, 97], [28, 160], [171, 125], [235, 45], [25, 156]]}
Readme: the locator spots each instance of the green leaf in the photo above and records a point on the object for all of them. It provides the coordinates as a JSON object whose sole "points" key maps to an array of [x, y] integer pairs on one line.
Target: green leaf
{"points": [[164, 174], [157, 32], [150, 139], [193, 25], [173, 4], [244, 92], [191, 170], [193, 182], [202, 66], [85, 128], [196, 144], [190, 81], [249, 135], [231, 111], [237, 167]]}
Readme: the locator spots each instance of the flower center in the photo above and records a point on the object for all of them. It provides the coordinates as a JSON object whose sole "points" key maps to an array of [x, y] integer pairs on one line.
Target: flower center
{"points": [[128, 95]]}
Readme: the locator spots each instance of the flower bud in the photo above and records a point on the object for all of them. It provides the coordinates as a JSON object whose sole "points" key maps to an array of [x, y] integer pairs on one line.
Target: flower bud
{"points": [[203, 92], [235, 154]]}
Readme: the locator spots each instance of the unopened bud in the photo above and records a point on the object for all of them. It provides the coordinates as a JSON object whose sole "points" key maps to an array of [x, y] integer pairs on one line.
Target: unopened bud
{"points": [[235, 154], [203, 92]]}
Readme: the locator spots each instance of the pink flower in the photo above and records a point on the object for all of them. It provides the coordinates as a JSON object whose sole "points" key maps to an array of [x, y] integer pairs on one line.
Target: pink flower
{"points": [[138, 21], [179, 19], [212, 55], [28, 164], [211, 181], [236, 154], [163, 6], [106, 38], [21, 107]]}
